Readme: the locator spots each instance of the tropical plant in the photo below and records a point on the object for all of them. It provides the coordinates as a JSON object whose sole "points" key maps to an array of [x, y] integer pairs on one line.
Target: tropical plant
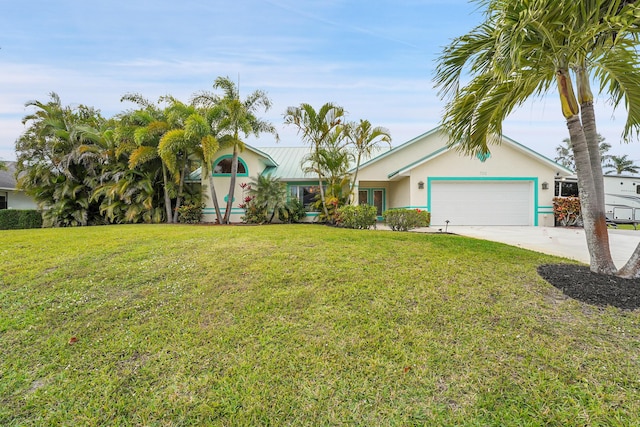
{"points": [[318, 129], [564, 154], [58, 160], [621, 164], [292, 212], [525, 48], [190, 213], [139, 133], [365, 140], [567, 211], [269, 194], [233, 118]]}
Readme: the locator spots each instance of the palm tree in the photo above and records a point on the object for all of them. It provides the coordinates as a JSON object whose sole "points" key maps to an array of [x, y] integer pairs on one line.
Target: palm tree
{"points": [[365, 140], [58, 161], [192, 135], [621, 164], [564, 155], [269, 194], [233, 117], [525, 48], [139, 135], [316, 129]]}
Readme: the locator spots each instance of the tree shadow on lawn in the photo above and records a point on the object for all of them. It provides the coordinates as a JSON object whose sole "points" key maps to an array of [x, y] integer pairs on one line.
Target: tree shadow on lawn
{"points": [[579, 283]]}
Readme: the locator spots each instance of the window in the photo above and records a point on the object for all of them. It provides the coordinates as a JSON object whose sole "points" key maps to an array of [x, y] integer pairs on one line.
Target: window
{"points": [[3, 201], [307, 194], [637, 189], [223, 167], [566, 189]]}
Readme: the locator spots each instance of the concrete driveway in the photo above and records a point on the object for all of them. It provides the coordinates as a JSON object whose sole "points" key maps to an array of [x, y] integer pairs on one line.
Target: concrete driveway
{"points": [[565, 242]]}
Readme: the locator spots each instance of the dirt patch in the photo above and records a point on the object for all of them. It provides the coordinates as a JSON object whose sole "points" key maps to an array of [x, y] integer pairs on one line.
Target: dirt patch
{"points": [[579, 283]]}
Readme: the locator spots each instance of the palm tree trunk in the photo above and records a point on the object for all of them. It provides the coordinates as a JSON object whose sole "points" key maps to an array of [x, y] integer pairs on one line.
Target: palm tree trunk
{"points": [[167, 199], [595, 226], [322, 198], [180, 193], [214, 198], [352, 197], [232, 184], [588, 116], [631, 269]]}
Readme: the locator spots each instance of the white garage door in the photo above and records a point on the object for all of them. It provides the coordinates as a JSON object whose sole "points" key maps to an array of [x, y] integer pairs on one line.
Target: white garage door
{"points": [[482, 203]]}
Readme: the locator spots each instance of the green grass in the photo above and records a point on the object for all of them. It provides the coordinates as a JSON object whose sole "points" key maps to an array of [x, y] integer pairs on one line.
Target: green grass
{"points": [[300, 325]]}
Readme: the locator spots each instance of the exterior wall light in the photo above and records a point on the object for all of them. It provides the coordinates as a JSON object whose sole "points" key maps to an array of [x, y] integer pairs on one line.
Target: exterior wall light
{"points": [[420, 185], [545, 185]]}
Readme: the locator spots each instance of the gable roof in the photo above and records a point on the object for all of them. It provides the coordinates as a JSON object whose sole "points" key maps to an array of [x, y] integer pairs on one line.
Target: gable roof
{"points": [[7, 177], [405, 169]]}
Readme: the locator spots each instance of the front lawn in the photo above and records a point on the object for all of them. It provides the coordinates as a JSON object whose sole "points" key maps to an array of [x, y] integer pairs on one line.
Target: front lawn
{"points": [[300, 325]]}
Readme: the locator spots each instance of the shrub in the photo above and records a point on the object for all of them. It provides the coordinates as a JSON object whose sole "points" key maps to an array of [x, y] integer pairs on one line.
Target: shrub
{"points": [[190, 214], [293, 211], [566, 211], [360, 217], [406, 219], [254, 213], [15, 219]]}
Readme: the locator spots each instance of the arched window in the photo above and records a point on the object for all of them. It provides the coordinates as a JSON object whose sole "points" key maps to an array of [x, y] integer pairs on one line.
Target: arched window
{"points": [[222, 166]]}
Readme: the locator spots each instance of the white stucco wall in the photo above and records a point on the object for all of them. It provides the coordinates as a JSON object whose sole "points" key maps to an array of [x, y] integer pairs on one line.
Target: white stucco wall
{"points": [[255, 166], [19, 200], [504, 163]]}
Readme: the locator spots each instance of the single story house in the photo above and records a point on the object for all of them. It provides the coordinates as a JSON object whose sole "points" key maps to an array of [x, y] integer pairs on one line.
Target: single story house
{"points": [[513, 185], [10, 197]]}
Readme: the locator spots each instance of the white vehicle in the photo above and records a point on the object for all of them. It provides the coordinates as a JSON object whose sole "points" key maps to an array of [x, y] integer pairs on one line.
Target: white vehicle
{"points": [[622, 199]]}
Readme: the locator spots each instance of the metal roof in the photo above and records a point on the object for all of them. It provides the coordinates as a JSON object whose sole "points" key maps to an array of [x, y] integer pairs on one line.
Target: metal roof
{"points": [[289, 161]]}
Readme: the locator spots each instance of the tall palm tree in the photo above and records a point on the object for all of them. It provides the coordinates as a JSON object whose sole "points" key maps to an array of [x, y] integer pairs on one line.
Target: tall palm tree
{"points": [[139, 135], [234, 118], [316, 129], [621, 164], [365, 139], [525, 48], [192, 135]]}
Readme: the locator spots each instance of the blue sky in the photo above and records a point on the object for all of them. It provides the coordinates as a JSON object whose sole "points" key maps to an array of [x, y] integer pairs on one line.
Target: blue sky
{"points": [[376, 59]]}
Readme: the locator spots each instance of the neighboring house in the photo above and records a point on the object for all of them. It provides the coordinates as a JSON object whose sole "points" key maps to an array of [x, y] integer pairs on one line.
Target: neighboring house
{"points": [[10, 197], [513, 185]]}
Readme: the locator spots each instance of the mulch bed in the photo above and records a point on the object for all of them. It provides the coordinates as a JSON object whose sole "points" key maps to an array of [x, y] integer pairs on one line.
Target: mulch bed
{"points": [[578, 282]]}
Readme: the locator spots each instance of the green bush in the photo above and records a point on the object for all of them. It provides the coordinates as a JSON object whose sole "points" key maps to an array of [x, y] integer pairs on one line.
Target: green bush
{"points": [[361, 217], [254, 213], [406, 219], [293, 211], [15, 219], [190, 214]]}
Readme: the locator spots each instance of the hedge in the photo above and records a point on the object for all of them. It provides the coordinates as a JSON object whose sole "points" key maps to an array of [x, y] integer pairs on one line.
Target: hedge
{"points": [[15, 219]]}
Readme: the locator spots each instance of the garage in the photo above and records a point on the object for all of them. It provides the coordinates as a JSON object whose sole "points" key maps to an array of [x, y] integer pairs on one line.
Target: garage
{"points": [[486, 202]]}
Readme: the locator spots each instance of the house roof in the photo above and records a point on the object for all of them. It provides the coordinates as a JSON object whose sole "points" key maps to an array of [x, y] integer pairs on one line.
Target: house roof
{"points": [[288, 163], [7, 178], [405, 169]]}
